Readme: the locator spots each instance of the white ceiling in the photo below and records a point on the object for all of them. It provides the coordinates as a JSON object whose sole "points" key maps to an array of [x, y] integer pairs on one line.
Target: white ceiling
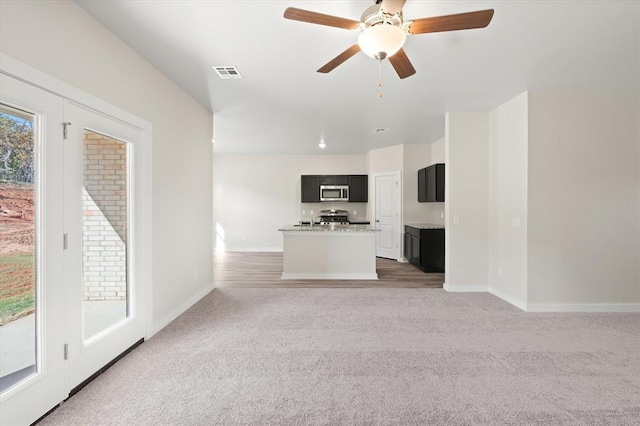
{"points": [[284, 106]]}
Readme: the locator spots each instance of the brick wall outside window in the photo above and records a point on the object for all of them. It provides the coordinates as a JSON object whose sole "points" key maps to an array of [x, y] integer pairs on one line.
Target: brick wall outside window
{"points": [[104, 227]]}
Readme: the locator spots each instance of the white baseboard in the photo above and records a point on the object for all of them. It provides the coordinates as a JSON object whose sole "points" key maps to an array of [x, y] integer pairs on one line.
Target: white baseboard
{"points": [[464, 288], [162, 323], [583, 307], [316, 276], [509, 299]]}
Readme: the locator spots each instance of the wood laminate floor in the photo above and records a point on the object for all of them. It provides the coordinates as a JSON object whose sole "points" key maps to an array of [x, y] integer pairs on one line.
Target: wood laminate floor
{"points": [[264, 269]]}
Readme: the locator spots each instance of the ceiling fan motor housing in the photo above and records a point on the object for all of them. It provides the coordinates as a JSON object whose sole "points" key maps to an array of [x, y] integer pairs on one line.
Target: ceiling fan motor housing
{"points": [[374, 16]]}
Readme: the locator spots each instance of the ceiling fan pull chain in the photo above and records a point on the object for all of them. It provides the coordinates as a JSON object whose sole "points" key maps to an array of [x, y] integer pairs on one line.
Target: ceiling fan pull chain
{"points": [[379, 78]]}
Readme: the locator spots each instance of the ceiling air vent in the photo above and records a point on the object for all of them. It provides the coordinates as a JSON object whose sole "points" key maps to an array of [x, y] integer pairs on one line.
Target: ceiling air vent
{"points": [[226, 72], [381, 130]]}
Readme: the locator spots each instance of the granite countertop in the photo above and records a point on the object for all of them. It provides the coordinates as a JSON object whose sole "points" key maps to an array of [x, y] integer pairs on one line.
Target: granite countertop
{"points": [[424, 225], [329, 228]]}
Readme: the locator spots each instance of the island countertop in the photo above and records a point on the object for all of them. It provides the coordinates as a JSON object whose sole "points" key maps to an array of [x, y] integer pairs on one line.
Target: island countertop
{"points": [[328, 228], [424, 225], [329, 252]]}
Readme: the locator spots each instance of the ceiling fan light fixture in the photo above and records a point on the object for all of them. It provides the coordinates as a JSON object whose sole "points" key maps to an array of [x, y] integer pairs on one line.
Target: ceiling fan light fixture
{"points": [[381, 41]]}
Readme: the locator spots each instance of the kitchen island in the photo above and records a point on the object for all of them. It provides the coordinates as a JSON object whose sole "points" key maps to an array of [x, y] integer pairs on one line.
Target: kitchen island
{"points": [[329, 252]]}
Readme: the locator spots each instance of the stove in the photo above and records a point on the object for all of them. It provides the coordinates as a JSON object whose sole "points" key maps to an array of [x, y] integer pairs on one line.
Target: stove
{"points": [[334, 217]]}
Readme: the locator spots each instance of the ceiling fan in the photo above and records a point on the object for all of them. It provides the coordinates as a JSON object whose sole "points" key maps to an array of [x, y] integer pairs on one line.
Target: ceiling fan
{"points": [[384, 30]]}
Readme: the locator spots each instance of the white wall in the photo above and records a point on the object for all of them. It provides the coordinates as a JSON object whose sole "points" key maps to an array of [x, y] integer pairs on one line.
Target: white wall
{"points": [[61, 39], [508, 145], [388, 159], [437, 151], [583, 225], [466, 207], [254, 195]]}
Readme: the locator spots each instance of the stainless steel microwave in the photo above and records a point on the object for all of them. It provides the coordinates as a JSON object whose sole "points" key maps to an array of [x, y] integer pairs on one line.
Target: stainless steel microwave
{"points": [[334, 192]]}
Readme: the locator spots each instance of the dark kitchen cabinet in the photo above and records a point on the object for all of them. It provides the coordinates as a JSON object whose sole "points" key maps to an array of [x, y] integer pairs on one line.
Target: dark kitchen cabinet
{"points": [[424, 248], [310, 188], [358, 188], [422, 185], [431, 183], [334, 180]]}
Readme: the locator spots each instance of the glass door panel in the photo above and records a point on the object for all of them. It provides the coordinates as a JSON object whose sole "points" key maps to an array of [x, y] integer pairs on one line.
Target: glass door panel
{"points": [[18, 289], [104, 232]]}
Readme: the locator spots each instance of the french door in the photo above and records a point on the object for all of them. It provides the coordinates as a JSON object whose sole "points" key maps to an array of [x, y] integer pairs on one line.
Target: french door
{"points": [[70, 225]]}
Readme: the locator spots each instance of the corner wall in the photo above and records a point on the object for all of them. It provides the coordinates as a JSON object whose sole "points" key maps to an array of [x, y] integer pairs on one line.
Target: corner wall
{"points": [[508, 193], [60, 39], [466, 208]]}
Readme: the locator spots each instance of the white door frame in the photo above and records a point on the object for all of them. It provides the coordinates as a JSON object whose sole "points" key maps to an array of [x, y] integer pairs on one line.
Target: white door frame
{"points": [[397, 225]]}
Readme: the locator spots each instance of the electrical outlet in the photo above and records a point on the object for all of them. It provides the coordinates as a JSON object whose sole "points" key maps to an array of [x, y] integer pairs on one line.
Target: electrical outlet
{"points": [[355, 212], [515, 222], [195, 274], [311, 212], [303, 212], [441, 215], [499, 271], [456, 220]]}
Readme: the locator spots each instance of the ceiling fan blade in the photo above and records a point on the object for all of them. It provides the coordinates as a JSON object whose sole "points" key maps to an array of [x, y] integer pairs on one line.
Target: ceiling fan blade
{"points": [[460, 21], [391, 7], [401, 64], [332, 64], [320, 19]]}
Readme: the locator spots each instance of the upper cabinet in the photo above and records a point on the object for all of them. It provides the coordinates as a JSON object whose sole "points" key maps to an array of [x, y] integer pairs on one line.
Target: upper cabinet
{"points": [[431, 183], [310, 187], [334, 180], [422, 185], [358, 188]]}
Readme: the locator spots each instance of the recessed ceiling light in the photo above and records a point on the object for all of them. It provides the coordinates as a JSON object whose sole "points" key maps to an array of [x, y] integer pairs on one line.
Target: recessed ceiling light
{"points": [[227, 72]]}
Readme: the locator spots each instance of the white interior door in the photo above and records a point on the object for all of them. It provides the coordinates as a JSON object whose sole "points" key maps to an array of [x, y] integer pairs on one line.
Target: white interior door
{"points": [[102, 223], [387, 214], [31, 252]]}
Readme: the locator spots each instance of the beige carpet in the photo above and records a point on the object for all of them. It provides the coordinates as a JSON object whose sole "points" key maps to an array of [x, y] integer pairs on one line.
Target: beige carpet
{"points": [[370, 356]]}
